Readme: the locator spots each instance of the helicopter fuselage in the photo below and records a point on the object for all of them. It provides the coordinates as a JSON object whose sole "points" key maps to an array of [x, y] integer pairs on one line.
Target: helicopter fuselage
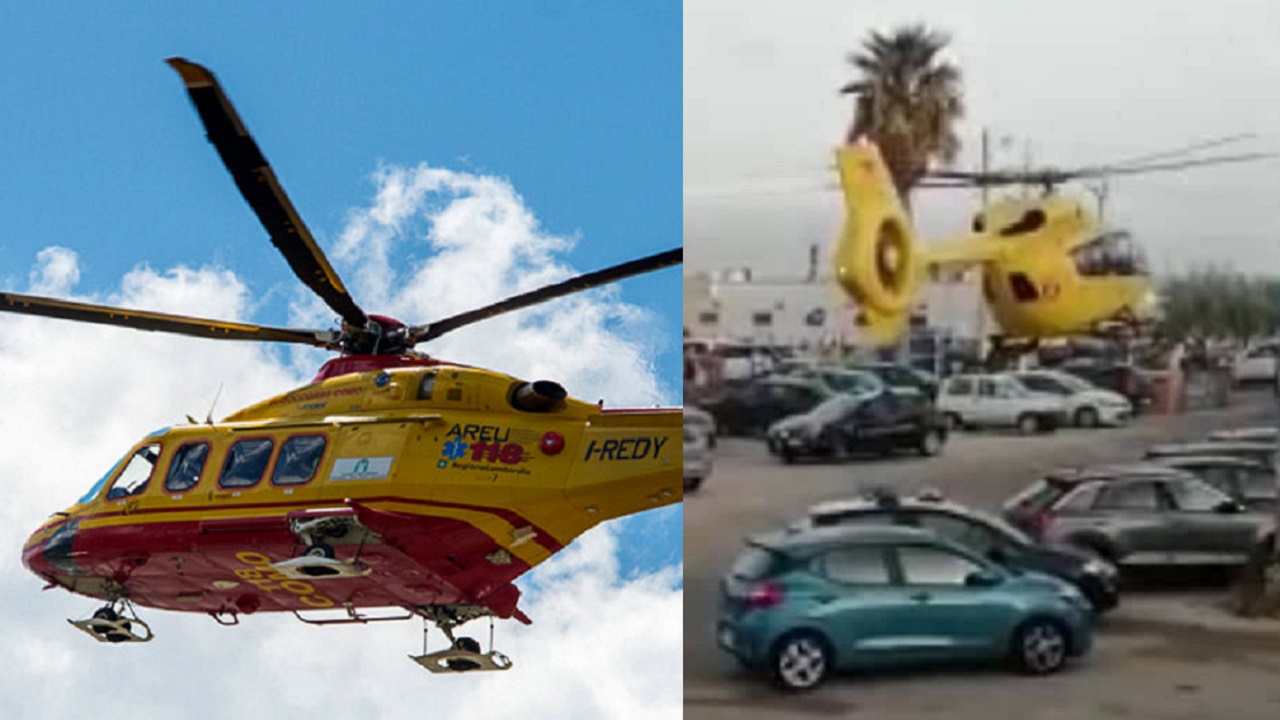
{"points": [[427, 485]]}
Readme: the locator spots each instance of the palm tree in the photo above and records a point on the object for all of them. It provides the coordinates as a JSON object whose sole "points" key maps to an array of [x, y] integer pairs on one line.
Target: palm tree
{"points": [[907, 100]]}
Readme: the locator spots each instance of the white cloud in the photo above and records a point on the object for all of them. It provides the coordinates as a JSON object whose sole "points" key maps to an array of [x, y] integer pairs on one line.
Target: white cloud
{"points": [[433, 243]]}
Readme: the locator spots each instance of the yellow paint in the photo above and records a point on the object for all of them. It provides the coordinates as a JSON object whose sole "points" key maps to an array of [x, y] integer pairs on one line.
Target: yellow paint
{"points": [[561, 495], [885, 290]]}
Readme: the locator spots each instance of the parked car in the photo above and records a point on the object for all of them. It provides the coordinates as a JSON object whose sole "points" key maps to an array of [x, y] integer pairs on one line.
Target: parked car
{"points": [[1120, 378], [880, 421], [752, 409], [980, 532], [902, 378], [701, 421], [1261, 452], [840, 380], [998, 400], [804, 603], [1248, 482], [697, 458], [1256, 365], [1263, 433], [1086, 404], [1141, 515]]}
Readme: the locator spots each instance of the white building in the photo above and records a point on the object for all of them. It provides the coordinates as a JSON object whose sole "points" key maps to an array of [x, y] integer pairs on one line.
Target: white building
{"points": [[808, 313]]}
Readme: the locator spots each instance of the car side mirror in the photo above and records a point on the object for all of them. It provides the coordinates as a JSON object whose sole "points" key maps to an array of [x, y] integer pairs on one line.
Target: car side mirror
{"points": [[1228, 507], [983, 579]]}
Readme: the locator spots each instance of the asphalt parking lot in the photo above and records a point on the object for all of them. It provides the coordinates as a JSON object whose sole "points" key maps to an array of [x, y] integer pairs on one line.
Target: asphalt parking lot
{"points": [[1142, 666]]}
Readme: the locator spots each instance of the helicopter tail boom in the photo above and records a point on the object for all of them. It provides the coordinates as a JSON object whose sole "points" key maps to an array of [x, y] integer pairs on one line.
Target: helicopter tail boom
{"points": [[877, 261]]}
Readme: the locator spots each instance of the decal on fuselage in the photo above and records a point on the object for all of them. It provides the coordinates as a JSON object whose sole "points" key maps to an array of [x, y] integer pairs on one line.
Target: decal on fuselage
{"points": [[632, 448], [488, 448], [361, 468]]}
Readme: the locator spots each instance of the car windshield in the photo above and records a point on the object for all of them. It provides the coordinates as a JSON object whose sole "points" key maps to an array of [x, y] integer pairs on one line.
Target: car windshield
{"points": [[852, 382], [834, 408], [1006, 529], [754, 563], [1073, 383]]}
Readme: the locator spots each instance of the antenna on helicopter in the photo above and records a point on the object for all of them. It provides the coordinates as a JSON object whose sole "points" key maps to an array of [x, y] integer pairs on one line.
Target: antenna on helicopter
{"points": [[209, 418]]}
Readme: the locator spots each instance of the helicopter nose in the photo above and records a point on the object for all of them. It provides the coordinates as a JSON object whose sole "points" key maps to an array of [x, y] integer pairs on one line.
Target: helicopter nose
{"points": [[48, 551]]}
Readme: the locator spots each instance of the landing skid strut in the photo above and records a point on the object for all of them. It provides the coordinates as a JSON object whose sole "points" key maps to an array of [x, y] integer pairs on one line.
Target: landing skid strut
{"points": [[463, 653], [115, 622]]}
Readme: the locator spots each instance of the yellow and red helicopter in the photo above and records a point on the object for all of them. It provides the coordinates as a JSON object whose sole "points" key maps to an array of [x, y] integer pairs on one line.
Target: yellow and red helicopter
{"points": [[394, 482], [1049, 267]]}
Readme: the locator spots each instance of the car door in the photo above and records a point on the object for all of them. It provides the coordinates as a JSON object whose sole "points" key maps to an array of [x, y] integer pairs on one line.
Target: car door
{"points": [[1135, 517], [945, 616], [1211, 529], [958, 396], [861, 606], [993, 403]]}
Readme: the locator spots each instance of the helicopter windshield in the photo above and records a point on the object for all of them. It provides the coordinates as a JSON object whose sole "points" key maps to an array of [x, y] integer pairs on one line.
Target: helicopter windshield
{"points": [[1112, 253], [97, 487]]}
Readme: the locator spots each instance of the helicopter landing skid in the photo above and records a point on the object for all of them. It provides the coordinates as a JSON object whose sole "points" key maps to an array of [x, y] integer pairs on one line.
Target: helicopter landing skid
{"points": [[111, 626], [463, 654], [459, 660]]}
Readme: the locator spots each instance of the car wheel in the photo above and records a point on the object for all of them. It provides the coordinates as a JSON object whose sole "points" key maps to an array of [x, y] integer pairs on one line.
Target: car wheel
{"points": [[1087, 417], [930, 443], [692, 484], [788, 456], [954, 421], [1040, 647], [801, 661], [1028, 424]]}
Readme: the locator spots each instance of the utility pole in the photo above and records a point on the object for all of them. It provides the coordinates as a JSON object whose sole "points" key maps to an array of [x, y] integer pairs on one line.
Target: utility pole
{"points": [[985, 191]]}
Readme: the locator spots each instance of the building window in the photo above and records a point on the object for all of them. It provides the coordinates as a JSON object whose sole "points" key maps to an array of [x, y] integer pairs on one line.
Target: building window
{"points": [[708, 318], [762, 319]]}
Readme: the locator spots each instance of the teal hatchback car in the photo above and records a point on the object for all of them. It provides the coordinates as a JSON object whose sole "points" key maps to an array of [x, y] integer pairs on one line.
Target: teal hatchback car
{"points": [[802, 603]]}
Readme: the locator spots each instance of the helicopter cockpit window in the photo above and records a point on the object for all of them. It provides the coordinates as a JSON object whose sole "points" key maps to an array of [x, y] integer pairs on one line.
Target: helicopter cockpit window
{"points": [[299, 458], [1110, 254], [186, 466], [246, 462], [136, 474]]}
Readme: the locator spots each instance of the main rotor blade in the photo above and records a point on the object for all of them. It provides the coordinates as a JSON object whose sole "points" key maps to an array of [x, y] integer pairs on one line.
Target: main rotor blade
{"points": [[422, 333], [1184, 150], [1055, 177], [259, 186], [159, 322]]}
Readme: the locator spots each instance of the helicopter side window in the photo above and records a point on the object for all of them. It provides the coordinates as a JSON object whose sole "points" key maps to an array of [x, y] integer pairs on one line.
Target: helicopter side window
{"points": [[1113, 253], [246, 462], [299, 458], [427, 386], [186, 466], [136, 474]]}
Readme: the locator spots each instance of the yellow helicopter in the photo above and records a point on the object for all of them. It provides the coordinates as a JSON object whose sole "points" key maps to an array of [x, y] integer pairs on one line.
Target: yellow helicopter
{"points": [[1049, 269], [394, 482]]}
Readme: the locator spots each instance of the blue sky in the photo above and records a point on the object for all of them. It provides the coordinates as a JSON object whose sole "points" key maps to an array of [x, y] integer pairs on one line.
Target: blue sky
{"points": [[571, 115], [103, 153]]}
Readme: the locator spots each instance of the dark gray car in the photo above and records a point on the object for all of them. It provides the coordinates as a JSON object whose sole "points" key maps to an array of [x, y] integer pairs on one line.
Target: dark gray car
{"points": [[1142, 515]]}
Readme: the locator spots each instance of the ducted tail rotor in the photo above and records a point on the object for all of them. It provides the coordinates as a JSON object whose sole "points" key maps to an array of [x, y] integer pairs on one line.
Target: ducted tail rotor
{"points": [[877, 259]]}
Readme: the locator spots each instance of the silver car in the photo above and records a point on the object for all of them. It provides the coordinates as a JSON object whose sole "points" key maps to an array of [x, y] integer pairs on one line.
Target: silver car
{"points": [[697, 458], [1141, 515]]}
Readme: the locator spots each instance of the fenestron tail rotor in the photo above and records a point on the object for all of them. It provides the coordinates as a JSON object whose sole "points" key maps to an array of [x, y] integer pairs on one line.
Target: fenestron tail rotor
{"points": [[261, 189]]}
